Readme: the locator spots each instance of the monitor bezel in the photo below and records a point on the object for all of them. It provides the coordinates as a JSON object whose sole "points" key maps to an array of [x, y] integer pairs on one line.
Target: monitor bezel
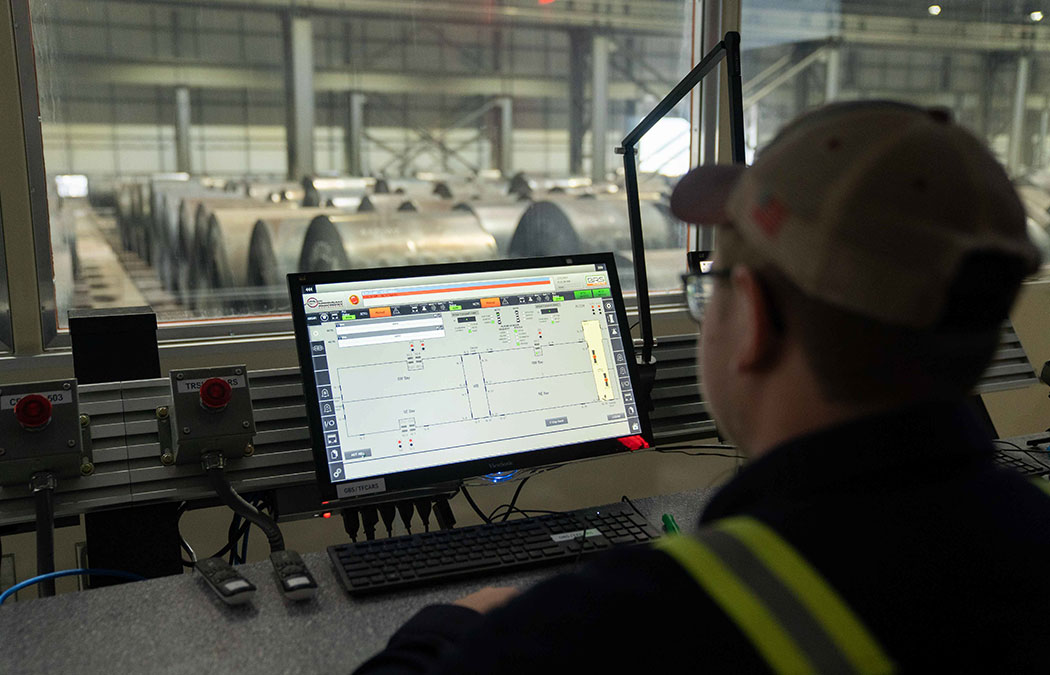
{"points": [[418, 478]]}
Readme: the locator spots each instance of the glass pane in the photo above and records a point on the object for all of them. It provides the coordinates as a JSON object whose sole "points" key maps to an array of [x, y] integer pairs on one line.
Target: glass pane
{"points": [[226, 144], [985, 61]]}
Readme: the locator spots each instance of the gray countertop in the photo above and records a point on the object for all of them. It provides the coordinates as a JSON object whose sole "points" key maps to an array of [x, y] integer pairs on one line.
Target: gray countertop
{"points": [[176, 625]]}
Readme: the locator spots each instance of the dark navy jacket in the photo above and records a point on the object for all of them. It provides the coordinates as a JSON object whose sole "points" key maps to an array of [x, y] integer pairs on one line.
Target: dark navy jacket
{"points": [[943, 555]]}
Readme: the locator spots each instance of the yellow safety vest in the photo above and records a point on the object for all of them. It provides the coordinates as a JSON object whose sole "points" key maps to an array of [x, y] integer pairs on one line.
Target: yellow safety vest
{"points": [[793, 617]]}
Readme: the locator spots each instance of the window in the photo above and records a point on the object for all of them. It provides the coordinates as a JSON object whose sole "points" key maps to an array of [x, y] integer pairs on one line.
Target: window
{"points": [[987, 61], [213, 135]]}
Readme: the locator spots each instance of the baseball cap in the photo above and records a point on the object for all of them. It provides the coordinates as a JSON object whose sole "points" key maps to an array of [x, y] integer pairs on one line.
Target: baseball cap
{"points": [[869, 206]]}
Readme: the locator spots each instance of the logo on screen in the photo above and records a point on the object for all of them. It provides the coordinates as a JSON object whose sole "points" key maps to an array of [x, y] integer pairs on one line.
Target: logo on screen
{"points": [[354, 299], [312, 303], [596, 280]]}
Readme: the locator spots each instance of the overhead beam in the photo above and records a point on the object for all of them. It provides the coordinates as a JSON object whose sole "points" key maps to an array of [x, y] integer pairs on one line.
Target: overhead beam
{"points": [[241, 78], [634, 16]]}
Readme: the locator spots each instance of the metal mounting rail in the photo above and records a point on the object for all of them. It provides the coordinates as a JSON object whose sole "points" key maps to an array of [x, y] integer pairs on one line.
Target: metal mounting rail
{"points": [[128, 469]]}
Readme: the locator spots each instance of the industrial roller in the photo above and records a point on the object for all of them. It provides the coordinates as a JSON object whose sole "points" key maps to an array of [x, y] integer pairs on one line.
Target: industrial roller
{"points": [[522, 185], [426, 205], [221, 265], [193, 217], [498, 217], [585, 226], [274, 251], [318, 190], [362, 240], [228, 225], [384, 203], [412, 187]]}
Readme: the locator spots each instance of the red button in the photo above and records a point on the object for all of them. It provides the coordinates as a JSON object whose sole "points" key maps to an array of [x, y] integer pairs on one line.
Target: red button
{"points": [[216, 393], [33, 411]]}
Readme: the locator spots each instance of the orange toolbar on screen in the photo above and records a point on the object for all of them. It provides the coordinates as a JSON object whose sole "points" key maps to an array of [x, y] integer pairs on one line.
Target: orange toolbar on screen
{"points": [[490, 302], [378, 311]]}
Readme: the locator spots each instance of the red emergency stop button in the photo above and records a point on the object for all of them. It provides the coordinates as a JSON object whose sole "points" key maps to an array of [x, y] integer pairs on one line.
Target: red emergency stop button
{"points": [[33, 411], [216, 393]]}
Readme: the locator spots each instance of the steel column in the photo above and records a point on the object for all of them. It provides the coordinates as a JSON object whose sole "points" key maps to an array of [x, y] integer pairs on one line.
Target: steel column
{"points": [[833, 73], [710, 88], [356, 158], [579, 48], [299, 92], [600, 47], [182, 130], [1040, 157], [1013, 156], [503, 138]]}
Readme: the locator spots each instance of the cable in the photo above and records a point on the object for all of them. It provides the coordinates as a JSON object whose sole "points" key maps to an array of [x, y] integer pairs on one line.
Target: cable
{"points": [[474, 505], [423, 508], [182, 540], [405, 509], [387, 512], [627, 500], [351, 523], [43, 486], [700, 454], [51, 576], [213, 466], [514, 499], [369, 519]]}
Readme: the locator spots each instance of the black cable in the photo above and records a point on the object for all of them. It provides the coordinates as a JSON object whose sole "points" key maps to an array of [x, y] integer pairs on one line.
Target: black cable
{"points": [[443, 512], [387, 511], [423, 508], [627, 500], [43, 486], [473, 505], [369, 519], [514, 499], [700, 454], [229, 496], [351, 523], [405, 509], [697, 446]]}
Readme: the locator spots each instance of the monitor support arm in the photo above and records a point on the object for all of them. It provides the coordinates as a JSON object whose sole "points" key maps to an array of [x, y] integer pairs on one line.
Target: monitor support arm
{"points": [[728, 48]]}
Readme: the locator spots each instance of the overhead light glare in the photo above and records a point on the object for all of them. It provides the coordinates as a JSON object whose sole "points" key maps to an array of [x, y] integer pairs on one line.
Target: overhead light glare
{"points": [[934, 10], [1036, 16]]}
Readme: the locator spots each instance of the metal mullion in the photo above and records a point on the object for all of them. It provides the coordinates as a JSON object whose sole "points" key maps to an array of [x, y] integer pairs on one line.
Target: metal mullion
{"points": [[23, 188]]}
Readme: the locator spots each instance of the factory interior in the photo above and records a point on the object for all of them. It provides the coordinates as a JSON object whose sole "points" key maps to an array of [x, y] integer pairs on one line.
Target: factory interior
{"points": [[184, 157]]}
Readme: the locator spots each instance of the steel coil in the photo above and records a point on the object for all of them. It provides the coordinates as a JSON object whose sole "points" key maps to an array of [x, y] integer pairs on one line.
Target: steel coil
{"points": [[363, 240], [585, 226]]}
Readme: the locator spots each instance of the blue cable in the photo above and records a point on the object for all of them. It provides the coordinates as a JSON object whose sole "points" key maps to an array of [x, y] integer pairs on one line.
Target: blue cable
{"points": [[68, 573]]}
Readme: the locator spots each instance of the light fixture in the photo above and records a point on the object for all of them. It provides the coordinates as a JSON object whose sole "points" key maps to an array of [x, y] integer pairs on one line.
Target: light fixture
{"points": [[934, 10], [1036, 16]]}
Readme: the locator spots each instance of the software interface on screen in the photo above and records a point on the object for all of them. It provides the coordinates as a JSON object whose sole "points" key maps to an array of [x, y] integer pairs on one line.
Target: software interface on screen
{"points": [[427, 371]]}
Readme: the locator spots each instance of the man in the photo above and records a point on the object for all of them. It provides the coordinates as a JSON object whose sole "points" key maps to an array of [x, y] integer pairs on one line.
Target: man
{"points": [[865, 264]]}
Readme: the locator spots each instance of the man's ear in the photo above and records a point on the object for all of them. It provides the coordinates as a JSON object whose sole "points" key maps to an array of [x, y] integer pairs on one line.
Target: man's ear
{"points": [[759, 343]]}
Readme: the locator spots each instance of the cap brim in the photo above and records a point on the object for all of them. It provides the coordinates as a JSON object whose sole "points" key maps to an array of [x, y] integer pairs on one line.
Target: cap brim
{"points": [[701, 196]]}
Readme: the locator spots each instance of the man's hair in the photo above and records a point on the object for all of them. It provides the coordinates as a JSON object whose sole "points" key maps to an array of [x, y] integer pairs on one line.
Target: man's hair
{"points": [[858, 359]]}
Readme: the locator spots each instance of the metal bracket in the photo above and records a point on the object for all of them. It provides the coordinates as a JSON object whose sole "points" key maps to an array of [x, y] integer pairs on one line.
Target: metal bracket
{"points": [[167, 454], [87, 464]]}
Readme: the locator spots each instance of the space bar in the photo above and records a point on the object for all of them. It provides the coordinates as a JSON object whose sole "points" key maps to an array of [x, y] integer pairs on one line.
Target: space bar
{"points": [[459, 567]]}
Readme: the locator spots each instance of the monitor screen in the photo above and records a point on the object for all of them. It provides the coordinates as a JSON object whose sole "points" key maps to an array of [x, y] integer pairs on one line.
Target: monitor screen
{"points": [[420, 375]]}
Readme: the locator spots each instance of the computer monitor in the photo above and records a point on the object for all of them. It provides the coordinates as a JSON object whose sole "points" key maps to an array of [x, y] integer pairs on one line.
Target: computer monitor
{"points": [[415, 376]]}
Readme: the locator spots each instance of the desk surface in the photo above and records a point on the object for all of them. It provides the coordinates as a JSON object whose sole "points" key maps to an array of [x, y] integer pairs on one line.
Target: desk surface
{"points": [[176, 625]]}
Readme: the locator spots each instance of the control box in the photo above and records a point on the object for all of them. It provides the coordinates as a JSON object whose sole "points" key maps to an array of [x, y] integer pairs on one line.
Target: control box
{"points": [[40, 430], [211, 411]]}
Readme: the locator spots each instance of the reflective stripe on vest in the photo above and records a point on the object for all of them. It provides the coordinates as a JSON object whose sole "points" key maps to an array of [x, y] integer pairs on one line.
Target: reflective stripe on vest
{"points": [[794, 619], [1043, 485]]}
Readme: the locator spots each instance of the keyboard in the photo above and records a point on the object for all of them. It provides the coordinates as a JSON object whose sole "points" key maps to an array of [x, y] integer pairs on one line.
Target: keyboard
{"points": [[1020, 463], [430, 558]]}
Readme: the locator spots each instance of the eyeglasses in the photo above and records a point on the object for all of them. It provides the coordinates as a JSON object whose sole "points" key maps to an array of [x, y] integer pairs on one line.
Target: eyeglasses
{"points": [[700, 285]]}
